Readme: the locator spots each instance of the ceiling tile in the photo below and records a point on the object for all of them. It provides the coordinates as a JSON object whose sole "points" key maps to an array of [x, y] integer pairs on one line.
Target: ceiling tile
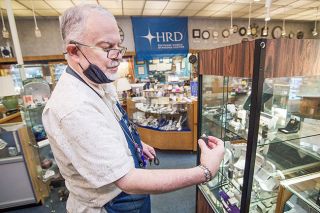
{"points": [[167, 12], [111, 4], [204, 13], [116, 12], [15, 5], [155, 4], [48, 12], [81, 1], [23, 13], [202, 1], [188, 12], [152, 12], [196, 6], [301, 3], [133, 4], [37, 4], [216, 7], [62, 10], [282, 3], [61, 4], [132, 12], [182, 0], [176, 5]]}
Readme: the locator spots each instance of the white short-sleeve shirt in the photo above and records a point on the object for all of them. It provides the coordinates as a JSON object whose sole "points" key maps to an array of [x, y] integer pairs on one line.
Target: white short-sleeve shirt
{"points": [[88, 143]]}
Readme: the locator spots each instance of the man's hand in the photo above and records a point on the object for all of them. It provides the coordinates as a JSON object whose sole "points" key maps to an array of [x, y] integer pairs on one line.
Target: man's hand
{"points": [[211, 155], [148, 151]]}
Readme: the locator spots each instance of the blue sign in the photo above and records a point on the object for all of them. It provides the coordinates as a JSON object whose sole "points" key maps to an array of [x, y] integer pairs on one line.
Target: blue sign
{"points": [[160, 37]]}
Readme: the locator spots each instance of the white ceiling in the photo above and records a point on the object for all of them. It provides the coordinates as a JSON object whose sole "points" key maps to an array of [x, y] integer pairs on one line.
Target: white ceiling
{"points": [[288, 9]]}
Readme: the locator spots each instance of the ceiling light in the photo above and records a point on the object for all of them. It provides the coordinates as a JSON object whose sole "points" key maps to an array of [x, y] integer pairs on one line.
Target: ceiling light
{"points": [[231, 30], [249, 21], [283, 31], [314, 32], [5, 33], [37, 31]]}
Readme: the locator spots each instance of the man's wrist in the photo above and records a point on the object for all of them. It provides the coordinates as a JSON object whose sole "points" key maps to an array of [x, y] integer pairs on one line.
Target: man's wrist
{"points": [[206, 173]]}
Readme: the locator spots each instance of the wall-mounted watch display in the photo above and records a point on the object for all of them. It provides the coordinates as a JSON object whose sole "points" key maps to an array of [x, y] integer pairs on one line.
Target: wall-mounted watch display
{"points": [[225, 33], [235, 28], [264, 32], [242, 31], [254, 31], [291, 35], [205, 34], [121, 34], [196, 33], [215, 34], [276, 32], [300, 35]]}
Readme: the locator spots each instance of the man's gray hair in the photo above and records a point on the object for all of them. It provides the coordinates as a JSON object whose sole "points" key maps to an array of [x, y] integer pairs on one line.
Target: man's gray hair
{"points": [[73, 21]]}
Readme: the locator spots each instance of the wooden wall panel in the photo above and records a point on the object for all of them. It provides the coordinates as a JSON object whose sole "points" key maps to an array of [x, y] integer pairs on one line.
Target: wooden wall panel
{"points": [[202, 204], [235, 60], [292, 57]]}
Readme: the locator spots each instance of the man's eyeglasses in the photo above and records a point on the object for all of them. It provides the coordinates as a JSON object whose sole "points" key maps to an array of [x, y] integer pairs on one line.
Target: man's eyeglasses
{"points": [[112, 53]]}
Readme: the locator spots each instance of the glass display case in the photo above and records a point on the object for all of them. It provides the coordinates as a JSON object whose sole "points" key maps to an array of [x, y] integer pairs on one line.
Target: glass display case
{"points": [[263, 102], [35, 83], [164, 116], [301, 194]]}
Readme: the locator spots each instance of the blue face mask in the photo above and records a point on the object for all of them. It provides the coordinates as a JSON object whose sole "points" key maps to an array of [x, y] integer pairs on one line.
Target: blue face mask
{"points": [[95, 74]]}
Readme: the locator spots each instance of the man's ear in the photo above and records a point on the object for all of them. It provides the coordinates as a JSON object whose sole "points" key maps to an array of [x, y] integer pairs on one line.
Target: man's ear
{"points": [[73, 52]]}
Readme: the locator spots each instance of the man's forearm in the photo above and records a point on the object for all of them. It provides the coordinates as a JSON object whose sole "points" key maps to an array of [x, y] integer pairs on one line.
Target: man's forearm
{"points": [[142, 181]]}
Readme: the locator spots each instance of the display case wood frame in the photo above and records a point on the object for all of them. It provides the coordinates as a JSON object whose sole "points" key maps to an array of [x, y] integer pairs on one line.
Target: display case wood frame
{"points": [[41, 190]]}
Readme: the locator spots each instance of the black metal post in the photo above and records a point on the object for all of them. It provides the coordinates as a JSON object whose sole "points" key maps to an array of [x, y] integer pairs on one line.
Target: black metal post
{"points": [[256, 99], [199, 126]]}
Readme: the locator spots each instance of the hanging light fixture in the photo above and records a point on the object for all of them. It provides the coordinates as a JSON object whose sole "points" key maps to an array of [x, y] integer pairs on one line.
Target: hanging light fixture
{"points": [[231, 30], [37, 31], [268, 6], [249, 21], [5, 33], [283, 31], [314, 32]]}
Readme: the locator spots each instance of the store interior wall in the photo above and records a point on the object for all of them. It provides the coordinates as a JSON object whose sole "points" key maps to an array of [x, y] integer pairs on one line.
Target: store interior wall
{"points": [[51, 44], [219, 25]]}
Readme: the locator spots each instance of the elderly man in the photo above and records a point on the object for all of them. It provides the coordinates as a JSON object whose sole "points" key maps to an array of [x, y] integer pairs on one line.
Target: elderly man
{"points": [[97, 149]]}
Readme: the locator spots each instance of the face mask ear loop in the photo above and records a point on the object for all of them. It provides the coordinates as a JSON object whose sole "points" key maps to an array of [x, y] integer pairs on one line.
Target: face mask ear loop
{"points": [[83, 55]]}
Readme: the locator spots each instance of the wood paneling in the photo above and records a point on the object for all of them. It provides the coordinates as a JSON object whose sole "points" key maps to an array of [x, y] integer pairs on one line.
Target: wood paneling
{"points": [[235, 60], [284, 58], [202, 204], [292, 57]]}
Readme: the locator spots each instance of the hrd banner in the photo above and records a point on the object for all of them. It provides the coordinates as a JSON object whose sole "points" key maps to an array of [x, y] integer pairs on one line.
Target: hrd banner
{"points": [[160, 37]]}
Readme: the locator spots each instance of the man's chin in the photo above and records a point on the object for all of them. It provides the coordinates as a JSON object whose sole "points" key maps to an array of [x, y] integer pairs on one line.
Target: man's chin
{"points": [[112, 76]]}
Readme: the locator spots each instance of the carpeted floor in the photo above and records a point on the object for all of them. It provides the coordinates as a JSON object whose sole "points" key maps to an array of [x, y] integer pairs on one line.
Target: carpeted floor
{"points": [[174, 202]]}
